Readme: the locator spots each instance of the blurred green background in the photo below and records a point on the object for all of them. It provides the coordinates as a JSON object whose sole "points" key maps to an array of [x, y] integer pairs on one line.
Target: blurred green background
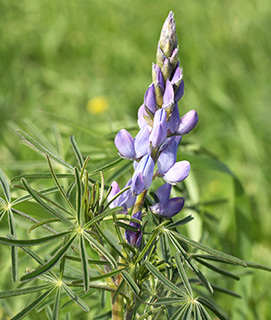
{"points": [[89, 61]]}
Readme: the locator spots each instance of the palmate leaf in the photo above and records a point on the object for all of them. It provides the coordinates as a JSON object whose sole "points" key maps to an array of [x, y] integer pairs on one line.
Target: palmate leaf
{"points": [[32, 305], [217, 269], [101, 249], [192, 265], [208, 304], [223, 256], [180, 222], [154, 237], [75, 298], [49, 264], [22, 291], [44, 204], [28, 196], [32, 242], [130, 281], [164, 280], [60, 188]]}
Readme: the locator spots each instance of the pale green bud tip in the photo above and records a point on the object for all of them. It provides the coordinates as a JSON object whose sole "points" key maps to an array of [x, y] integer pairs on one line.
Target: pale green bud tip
{"points": [[168, 37]]}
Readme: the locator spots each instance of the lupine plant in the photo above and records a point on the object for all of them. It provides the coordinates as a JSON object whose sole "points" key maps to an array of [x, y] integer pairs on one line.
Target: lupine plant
{"points": [[124, 242]]}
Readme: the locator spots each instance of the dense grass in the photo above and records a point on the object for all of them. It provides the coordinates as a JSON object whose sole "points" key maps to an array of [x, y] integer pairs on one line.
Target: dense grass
{"points": [[58, 55]]}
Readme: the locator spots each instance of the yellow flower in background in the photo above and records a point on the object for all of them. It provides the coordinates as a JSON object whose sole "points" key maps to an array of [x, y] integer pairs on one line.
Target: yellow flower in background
{"points": [[97, 105]]}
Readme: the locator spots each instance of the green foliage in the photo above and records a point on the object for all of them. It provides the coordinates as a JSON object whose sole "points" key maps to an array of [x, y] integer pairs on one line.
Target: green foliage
{"points": [[58, 57]]}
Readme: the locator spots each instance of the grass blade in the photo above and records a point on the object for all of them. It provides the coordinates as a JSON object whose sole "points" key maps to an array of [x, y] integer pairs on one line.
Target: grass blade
{"points": [[49, 264]]}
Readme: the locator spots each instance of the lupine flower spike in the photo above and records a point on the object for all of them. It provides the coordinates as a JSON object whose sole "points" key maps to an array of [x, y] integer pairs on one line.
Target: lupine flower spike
{"points": [[161, 131]]}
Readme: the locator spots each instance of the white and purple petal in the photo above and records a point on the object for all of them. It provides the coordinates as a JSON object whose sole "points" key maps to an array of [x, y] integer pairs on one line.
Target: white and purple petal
{"points": [[178, 172], [124, 142], [150, 98], [159, 132], [167, 158], [168, 98], [142, 143], [187, 122]]}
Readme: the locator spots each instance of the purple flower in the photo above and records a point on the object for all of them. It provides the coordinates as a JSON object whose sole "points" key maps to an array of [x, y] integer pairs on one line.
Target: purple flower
{"points": [[130, 148], [159, 132], [168, 98], [124, 142], [178, 84], [187, 122], [165, 207], [150, 99], [177, 173], [174, 119], [134, 237], [125, 200], [172, 171], [142, 177]]}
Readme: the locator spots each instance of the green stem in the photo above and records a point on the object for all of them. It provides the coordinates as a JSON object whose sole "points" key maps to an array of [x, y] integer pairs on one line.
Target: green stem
{"points": [[140, 201], [118, 305]]}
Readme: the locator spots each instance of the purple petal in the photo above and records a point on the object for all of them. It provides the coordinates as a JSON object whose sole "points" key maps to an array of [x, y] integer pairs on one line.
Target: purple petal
{"points": [[141, 112], [163, 193], [150, 98], [142, 143], [159, 131], [187, 122], [125, 144], [167, 158], [178, 172], [127, 199], [142, 177], [177, 76], [179, 92], [134, 237], [115, 189], [159, 78], [172, 207], [174, 120], [137, 216], [137, 183], [168, 98]]}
